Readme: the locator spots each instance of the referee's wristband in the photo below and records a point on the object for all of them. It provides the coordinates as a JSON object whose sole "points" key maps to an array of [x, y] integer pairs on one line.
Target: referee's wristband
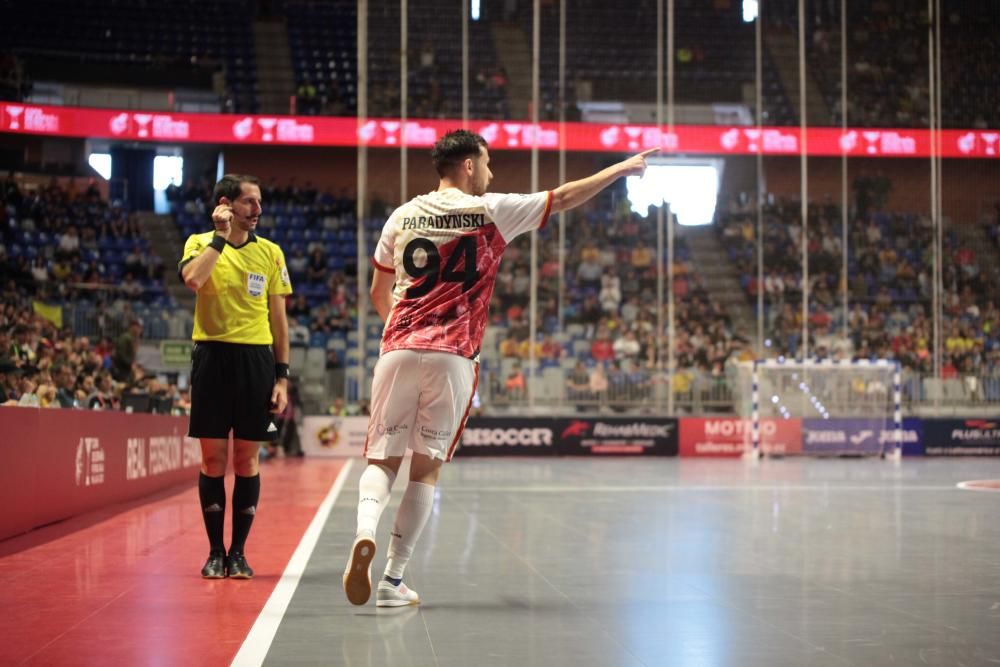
{"points": [[218, 243], [281, 371]]}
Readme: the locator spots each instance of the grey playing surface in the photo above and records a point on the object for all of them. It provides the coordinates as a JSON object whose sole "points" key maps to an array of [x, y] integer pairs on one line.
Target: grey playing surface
{"points": [[635, 562]]}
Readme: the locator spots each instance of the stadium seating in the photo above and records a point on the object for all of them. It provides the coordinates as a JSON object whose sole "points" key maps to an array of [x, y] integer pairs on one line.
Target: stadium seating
{"points": [[887, 81], [889, 264], [323, 41], [173, 37], [714, 55]]}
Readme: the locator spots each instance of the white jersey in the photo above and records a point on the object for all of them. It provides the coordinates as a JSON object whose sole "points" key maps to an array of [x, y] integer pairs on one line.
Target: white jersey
{"points": [[445, 249]]}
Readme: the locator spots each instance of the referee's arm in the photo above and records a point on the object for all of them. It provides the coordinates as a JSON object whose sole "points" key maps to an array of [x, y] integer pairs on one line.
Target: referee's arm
{"points": [[196, 272], [279, 331]]}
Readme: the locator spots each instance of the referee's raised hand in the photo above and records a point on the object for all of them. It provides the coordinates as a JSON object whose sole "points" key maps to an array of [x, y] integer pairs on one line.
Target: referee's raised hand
{"points": [[222, 218]]}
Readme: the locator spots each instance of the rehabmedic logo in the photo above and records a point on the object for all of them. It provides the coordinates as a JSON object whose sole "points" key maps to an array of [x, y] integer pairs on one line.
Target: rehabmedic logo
{"points": [[89, 462], [507, 437], [633, 430]]}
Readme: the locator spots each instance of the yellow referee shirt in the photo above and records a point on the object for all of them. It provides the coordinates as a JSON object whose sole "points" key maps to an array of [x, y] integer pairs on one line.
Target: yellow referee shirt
{"points": [[231, 306]]}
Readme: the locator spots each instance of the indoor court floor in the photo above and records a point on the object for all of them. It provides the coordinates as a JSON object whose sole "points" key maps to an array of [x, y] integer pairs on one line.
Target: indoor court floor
{"points": [[544, 562]]}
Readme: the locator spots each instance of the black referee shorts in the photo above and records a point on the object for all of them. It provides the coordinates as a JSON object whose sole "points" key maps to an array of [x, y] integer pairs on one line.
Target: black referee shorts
{"points": [[231, 387]]}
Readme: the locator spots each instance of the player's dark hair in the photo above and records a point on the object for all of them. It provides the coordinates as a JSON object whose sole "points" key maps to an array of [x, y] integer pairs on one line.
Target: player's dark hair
{"points": [[454, 148], [229, 186]]}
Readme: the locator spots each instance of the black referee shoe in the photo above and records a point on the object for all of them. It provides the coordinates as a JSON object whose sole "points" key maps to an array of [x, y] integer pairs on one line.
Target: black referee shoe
{"points": [[237, 566], [215, 566]]}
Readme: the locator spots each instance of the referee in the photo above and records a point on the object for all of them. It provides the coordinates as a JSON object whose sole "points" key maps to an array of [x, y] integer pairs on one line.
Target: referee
{"points": [[239, 367]]}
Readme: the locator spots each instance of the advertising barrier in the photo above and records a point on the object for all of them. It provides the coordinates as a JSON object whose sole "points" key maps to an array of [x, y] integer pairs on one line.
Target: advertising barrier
{"points": [[617, 435], [731, 436], [177, 127], [687, 436], [333, 436], [912, 437], [860, 436], [962, 437], [61, 463], [492, 436], [840, 436], [586, 436]]}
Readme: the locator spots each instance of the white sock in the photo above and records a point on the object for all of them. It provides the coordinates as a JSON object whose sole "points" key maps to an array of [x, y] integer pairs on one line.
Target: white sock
{"points": [[373, 495], [411, 517]]}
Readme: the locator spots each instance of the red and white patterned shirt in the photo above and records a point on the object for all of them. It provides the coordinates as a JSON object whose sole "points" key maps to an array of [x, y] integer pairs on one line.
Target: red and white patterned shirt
{"points": [[445, 249]]}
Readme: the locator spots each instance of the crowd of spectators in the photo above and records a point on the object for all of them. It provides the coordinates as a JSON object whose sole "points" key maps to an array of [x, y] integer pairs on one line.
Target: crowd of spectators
{"points": [[887, 52], [68, 243], [44, 365], [890, 284], [609, 311], [62, 244], [15, 83], [887, 46], [604, 335]]}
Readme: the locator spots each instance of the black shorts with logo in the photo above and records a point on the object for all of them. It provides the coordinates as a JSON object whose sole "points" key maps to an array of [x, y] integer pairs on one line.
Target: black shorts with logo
{"points": [[231, 386]]}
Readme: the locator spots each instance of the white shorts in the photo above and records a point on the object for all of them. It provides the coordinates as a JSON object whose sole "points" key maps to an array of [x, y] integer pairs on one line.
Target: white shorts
{"points": [[421, 401]]}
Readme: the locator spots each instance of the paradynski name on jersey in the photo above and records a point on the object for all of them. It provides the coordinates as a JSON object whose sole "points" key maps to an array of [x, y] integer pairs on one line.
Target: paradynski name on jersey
{"points": [[452, 221]]}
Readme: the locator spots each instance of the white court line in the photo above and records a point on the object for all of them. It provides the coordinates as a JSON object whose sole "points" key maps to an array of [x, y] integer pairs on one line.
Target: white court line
{"points": [[258, 641], [680, 488]]}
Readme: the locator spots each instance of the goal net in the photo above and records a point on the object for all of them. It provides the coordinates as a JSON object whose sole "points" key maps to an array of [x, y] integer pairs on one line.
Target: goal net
{"points": [[840, 408]]}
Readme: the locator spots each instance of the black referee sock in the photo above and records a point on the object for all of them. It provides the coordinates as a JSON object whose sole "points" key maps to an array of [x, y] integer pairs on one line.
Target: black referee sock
{"points": [[246, 493], [212, 492]]}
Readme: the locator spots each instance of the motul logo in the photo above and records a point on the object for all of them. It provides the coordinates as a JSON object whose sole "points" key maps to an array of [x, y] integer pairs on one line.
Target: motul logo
{"points": [[486, 437], [728, 428]]}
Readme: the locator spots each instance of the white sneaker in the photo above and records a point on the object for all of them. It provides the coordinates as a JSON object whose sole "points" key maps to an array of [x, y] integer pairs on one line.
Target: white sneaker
{"points": [[388, 595], [358, 574]]}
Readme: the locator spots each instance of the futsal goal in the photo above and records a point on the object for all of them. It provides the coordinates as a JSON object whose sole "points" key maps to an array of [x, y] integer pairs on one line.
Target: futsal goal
{"points": [[837, 408]]}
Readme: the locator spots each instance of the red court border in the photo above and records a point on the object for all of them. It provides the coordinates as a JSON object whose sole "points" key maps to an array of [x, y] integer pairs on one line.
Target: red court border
{"points": [[980, 485], [124, 589]]}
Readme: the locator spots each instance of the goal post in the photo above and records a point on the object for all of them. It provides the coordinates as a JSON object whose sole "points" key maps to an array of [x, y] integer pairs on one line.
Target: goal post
{"points": [[842, 408]]}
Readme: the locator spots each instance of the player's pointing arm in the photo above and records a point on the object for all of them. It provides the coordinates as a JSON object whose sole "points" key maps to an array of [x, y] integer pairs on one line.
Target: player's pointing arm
{"points": [[572, 194]]}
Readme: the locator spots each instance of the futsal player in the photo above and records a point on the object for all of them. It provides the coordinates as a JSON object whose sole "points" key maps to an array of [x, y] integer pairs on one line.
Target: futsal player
{"points": [[436, 264], [239, 367]]}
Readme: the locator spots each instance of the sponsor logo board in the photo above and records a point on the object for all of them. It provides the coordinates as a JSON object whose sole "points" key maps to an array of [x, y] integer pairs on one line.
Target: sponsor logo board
{"points": [[338, 436], [603, 436], [490, 436], [732, 436], [962, 437], [509, 135], [847, 436]]}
